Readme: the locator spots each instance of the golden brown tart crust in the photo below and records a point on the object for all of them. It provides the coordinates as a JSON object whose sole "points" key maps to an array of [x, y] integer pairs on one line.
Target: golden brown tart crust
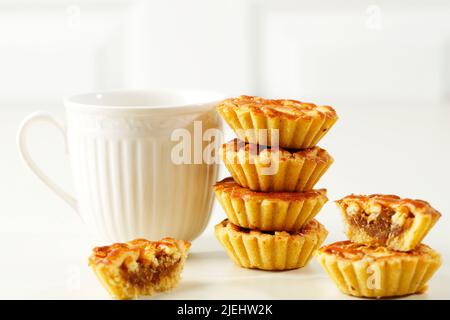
{"points": [[291, 109], [252, 151], [278, 250], [274, 169], [284, 123], [391, 201], [387, 220], [236, 191], [139, 267], [113, 253], [352, 251], [375, 272], [311, 228], [274, 211]]}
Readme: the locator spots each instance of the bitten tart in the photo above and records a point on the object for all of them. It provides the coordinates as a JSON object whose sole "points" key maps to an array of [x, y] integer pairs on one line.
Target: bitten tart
{"points": [[387, 220], [264, 250], [267, 169], [296, 124], [139, 267], [277, 211], [375, 272]]}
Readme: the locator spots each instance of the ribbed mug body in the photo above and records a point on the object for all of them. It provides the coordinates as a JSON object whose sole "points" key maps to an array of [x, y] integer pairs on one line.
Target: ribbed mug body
{"points": [[126, 180]]}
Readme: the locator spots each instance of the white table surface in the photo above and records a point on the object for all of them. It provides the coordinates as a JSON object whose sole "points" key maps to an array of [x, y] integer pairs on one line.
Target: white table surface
{"points": [[398, 150]]}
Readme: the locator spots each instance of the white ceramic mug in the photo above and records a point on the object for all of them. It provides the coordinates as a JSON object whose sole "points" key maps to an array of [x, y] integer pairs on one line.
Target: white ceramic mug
{"points": [[126, 184]]}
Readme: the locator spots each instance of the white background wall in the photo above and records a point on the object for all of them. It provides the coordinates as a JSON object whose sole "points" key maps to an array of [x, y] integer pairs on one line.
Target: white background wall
{"points": [[318, 50]]}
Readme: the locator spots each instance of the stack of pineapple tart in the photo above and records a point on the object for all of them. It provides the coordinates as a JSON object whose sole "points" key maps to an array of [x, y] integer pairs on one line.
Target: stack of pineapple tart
{"points": [[384, 256], [270, 201]]}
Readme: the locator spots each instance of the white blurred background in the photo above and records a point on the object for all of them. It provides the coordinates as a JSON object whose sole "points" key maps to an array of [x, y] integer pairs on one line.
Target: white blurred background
{"points": [[325, 50], [384, 65]]}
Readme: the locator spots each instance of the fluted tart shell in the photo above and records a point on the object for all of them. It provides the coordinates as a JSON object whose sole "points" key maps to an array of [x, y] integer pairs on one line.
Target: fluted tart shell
{"points": [[376, 272], [274, 170], [387, 220], [279, 250], [296, 124], [275, 211], [139, 267]]}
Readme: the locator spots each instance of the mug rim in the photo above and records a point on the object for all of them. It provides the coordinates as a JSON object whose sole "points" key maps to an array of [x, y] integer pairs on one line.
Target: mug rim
{"points": [[215, 97]]}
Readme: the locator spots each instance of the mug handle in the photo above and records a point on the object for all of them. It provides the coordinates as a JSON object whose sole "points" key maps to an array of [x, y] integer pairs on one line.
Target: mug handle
{"points": [[22, 135]]}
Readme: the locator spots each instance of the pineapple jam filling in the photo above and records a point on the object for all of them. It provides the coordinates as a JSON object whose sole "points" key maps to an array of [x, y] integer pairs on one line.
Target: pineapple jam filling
{"points": [[142, 273], [378, 221]]}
